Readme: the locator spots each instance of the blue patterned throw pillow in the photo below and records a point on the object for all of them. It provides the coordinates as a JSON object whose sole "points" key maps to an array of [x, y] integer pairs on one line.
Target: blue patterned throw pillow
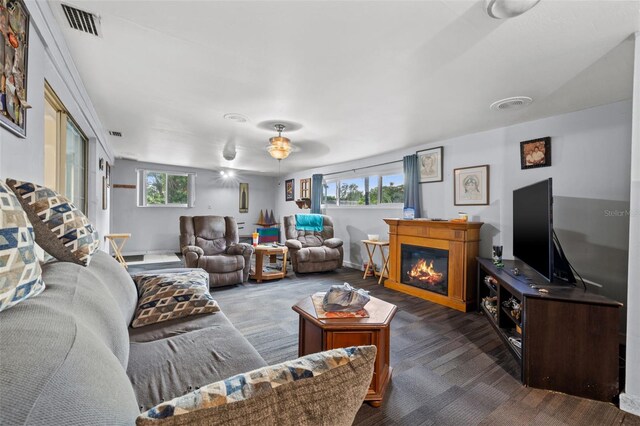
{"points": [[20, 273], [212, 402], [61, 229], [167, 296]]}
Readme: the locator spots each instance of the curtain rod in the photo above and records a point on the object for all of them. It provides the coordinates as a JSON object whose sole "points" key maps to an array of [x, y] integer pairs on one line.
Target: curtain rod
{"points": [[362, 168]]}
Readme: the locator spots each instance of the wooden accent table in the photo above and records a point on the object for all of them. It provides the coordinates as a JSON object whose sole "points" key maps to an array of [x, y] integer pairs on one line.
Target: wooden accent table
{"points": [[371, 252], [261, 251], [317, 335], [117, 248]]}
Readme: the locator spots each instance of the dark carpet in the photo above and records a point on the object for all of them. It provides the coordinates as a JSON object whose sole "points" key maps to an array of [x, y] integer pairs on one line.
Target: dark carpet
{"points": [[449, 368]]}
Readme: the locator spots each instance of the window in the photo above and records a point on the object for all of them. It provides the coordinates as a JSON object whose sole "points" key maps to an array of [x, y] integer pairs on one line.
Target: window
{"points": [[365, 190], [165, 189], [65, 152]]}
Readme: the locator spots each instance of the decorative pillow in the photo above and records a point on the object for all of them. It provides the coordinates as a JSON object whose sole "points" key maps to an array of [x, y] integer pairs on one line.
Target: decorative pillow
{"points": [[322, 388], [162, 297], [20, 273], [61, 229]]}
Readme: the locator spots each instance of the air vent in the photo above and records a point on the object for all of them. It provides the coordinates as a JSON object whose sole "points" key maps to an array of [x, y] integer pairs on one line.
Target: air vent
{"points": [[116, 134], [515, 102], [82, 21]]}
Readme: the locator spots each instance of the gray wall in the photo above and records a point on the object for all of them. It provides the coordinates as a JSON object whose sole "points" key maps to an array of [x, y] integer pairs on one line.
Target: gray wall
{"points": [[590, 170], [156, 229], [49, 60]]}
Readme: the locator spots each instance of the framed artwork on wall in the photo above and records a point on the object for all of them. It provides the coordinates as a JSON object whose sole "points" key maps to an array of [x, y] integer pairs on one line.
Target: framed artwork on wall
{"points": [[471, 186], [289, 190], [105, 194], [305, 188], [108, 174], [535, 153], [14, 42], [244, 198], [430, 163]]}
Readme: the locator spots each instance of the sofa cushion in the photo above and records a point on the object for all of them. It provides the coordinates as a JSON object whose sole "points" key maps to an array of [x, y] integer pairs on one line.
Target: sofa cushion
{"points": [[188, 354], [20, 272], [61, 229], [67, 350], [317, 254], [323, 388], [118, 281], [165, 296], [222, 263]]}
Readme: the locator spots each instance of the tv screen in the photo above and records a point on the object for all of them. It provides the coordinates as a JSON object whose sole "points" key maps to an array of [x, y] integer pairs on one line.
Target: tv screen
{"points": [[533, 227]]}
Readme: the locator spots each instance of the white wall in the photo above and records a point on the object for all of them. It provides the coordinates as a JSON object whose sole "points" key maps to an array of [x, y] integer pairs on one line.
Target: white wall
{"points": [[50, 60], [156, 229], [630, 398], [590, 170]]}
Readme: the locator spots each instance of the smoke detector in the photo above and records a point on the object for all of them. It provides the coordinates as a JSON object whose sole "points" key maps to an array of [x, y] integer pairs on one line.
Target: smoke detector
{"points": [[515, 102], [238, 118]]}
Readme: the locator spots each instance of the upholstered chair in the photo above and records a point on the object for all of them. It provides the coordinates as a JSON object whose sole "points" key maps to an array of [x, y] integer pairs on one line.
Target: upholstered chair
{"points": [[211, 243], [313, 251]]}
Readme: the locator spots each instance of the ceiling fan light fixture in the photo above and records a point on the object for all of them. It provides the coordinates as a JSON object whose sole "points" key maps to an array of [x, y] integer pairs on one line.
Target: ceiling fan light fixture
{"points": [[279, 146], [504, 9]]}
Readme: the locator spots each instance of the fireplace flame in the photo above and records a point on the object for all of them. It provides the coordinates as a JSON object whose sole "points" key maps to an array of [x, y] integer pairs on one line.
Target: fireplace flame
{"points": [[424, 273]]}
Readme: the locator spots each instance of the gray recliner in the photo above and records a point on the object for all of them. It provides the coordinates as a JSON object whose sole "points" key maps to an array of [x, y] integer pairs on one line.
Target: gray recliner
{"points": [[313, 251], [211, 243]]}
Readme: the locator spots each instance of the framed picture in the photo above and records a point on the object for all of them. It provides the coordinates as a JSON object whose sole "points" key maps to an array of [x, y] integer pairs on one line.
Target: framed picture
{"points": [[430, 163], [289, 192], [471, 186], [305, 188], [105, 194], [535, 153], [244, 198], [108, 174], [14, 42]]}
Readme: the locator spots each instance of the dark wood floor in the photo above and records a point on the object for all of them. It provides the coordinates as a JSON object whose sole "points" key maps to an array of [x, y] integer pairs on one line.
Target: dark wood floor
{"points": [[449, 367]]}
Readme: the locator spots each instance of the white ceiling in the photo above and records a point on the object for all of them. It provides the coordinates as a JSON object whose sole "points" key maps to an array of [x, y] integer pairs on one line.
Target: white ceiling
{"points": [[362, 78]]}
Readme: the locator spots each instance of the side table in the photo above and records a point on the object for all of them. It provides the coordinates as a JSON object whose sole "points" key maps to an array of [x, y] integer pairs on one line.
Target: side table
{"points": [[371, 246], [258, 273], [317, 335], [117, 248]]}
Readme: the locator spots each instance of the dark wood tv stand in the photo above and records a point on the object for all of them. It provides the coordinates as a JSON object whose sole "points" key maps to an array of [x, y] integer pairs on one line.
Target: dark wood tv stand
{"points": [[569, 336]]}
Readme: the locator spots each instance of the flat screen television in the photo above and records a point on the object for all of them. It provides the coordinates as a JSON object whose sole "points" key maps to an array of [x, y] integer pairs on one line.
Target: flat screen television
{"points": [[533, 227]]}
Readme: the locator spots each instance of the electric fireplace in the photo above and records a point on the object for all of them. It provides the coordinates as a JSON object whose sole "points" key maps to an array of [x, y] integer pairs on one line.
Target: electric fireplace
{"points": [[434, 260]]}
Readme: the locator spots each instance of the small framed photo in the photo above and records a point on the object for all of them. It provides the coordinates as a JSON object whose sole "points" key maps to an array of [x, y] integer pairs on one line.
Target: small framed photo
{"points": [[430, 164], [471, 186], [535, 153], [289, 192]]}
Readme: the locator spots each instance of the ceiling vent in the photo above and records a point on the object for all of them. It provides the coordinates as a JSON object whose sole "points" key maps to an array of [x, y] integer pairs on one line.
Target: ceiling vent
{"points": [[515, 102], [116, 134], [82, 21]]}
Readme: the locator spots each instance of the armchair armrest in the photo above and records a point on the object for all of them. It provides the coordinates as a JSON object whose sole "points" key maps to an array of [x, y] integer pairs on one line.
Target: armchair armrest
{"points": [[192, 249], [240, 249], [293, 244], [333, 242]]}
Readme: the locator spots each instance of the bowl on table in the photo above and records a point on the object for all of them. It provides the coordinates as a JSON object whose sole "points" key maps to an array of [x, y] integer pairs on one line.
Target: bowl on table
{"points": [[373, 237]]}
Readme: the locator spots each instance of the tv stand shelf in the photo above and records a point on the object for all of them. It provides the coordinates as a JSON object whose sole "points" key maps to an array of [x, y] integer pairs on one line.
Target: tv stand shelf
{"points": [[569, 337]]}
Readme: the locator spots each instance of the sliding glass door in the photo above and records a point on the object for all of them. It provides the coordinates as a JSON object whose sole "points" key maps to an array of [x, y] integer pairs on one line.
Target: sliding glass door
{"points": [[65, 163]]}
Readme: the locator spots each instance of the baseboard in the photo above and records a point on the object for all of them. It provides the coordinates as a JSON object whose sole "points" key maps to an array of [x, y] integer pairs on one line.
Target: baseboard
{"points": [[630, 403], [143, 252], [352, 265]]}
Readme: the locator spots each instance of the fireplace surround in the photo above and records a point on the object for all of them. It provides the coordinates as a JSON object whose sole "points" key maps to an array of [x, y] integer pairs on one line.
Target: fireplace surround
{"points": [[434, 260]]}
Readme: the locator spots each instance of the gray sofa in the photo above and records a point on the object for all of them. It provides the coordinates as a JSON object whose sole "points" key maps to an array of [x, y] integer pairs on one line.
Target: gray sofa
{"points": [[313, 251], [68, 355]]}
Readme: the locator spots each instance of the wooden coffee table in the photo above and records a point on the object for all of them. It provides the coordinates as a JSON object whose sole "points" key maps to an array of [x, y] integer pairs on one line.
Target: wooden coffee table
{"points": [[261, 251], [317, 335]]}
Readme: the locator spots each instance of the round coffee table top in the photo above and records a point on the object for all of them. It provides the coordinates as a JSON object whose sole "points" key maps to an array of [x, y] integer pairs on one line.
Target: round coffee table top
{"points": [[380, 314]]}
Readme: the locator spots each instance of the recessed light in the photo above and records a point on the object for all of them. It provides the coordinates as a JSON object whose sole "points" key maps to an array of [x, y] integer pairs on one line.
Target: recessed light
{"points": [[515, 102], [504, 9], [233, 116]]}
